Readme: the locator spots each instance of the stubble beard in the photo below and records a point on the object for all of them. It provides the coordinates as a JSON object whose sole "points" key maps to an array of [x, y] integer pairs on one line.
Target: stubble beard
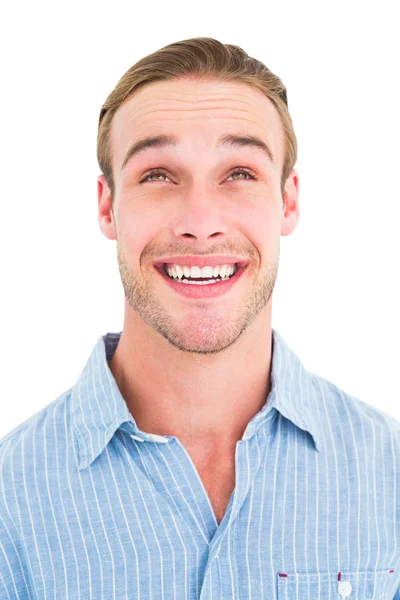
{"points": [[206, 334]]}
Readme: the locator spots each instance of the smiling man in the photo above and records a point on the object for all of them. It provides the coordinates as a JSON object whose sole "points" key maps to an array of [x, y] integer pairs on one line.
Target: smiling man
{"points": [[197, 213], [196, 457]]}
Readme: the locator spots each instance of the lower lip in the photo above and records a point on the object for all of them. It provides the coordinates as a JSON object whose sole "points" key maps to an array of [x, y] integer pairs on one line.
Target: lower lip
{"points": [[210, 290]]}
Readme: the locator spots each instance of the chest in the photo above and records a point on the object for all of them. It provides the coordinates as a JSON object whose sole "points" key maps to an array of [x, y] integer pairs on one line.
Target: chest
{"points": [[138, 524], [218, 479]]}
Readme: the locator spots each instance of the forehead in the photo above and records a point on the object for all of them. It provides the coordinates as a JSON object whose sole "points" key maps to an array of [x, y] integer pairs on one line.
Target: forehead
{"points": [[198, 111]]}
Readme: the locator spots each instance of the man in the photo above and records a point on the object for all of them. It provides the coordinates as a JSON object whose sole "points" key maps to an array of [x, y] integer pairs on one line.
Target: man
{"points": [[196, 457]]}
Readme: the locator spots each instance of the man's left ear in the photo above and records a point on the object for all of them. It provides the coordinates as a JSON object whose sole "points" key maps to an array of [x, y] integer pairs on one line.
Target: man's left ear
{"points": [[290, 208]]}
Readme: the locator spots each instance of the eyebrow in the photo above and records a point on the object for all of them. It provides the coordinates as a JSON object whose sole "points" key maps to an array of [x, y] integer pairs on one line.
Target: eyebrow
{"points": [[164, 141]]}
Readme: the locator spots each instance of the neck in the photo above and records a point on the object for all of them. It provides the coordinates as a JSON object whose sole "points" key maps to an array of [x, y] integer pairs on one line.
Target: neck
{"points": [[197, 398]]}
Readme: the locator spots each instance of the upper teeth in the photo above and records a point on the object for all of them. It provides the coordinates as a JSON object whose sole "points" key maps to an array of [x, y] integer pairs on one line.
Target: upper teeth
{"points": [[206, 272]]}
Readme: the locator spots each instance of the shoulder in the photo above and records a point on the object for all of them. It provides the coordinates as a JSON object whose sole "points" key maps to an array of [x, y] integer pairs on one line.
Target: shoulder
{"points": [[352, 416], [37, 419], [22, 447]]}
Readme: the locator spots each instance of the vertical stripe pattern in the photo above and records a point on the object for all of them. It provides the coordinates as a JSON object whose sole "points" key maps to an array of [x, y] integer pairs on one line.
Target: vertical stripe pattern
{"points": [[92, 507]]}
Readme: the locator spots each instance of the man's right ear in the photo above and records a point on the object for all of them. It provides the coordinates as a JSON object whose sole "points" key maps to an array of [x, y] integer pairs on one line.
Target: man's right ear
{"points": [[105, 214]]}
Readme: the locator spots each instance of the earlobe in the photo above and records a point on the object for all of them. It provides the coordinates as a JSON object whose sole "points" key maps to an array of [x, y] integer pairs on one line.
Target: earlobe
{"points": [[105, 211]]}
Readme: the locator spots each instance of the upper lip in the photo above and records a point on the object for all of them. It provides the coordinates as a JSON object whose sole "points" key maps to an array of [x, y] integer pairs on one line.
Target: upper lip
{"points": [[202, 261]]}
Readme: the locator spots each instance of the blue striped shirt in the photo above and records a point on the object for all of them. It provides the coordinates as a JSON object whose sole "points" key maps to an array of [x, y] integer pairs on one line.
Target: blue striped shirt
{"points": [[93, 507]]}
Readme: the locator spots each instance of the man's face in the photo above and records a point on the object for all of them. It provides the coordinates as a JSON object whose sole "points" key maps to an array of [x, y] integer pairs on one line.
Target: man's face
{"points": [[198, 206]]}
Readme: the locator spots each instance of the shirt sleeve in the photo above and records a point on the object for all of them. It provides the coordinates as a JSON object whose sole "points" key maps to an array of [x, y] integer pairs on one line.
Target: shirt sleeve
{"points": [[13, 582]]}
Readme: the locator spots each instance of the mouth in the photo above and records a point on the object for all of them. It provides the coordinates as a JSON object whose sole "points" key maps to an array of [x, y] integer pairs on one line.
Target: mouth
{"points": [[200, 287]]}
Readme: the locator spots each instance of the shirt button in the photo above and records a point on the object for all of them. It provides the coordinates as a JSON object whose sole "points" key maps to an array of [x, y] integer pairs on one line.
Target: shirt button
{"points": [[344, 588]]}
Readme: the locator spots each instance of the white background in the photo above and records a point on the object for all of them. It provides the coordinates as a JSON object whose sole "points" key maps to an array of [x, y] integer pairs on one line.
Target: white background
{"points": [[336, 301]]}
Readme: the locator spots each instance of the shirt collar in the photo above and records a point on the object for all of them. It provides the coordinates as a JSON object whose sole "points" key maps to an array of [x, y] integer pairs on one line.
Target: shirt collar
{"points": [[98, 408]]}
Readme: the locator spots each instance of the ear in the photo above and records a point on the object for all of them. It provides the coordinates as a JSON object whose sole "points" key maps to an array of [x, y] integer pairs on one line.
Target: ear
{"points": [[290, 209], [105, 214]]}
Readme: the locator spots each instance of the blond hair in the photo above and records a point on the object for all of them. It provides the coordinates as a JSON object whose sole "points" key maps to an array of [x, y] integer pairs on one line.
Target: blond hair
{"points": [[200, 57]]}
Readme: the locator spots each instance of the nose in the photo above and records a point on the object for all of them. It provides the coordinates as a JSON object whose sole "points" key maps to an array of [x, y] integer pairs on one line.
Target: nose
{"points": [[201, 215]]}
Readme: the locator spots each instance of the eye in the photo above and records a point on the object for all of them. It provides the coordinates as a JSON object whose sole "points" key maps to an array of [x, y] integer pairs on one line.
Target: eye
{"points": [[162, 173], [242, 170], [153, 173]]}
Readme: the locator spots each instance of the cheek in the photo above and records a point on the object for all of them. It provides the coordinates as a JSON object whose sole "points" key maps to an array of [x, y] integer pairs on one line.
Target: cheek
{"points": [[138, 233], [139, 226], [260, 221], [262, 229]]}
